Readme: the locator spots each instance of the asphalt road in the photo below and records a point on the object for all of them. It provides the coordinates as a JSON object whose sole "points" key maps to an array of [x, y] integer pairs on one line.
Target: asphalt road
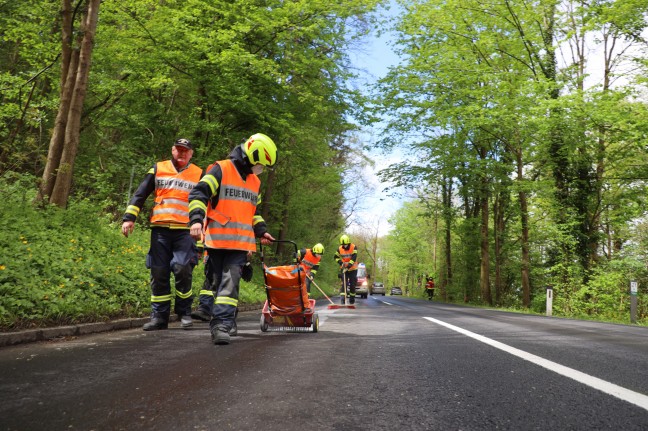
{"points": [[392, 363]]}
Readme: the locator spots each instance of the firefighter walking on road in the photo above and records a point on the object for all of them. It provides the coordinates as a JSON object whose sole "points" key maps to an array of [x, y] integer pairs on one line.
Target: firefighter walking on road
{"points": [[172, 248], [346, 257], [429, 287], [227, 197]]}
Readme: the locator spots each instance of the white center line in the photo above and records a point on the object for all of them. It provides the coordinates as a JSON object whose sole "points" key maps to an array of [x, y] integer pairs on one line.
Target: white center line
{"points": [[628, 395]]}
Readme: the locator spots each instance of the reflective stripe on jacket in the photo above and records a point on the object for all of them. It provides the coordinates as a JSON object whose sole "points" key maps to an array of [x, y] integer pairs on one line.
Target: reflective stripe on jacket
{"points": [[172, 193], [309, 260], [347, 255], [230, 224]]}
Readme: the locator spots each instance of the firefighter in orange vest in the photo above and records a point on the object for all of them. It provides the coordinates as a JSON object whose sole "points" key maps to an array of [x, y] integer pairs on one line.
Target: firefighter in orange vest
{"points": [[227, 197], [429, 287], [172, 248], [206, 295], [309, 259], [346, 257]]}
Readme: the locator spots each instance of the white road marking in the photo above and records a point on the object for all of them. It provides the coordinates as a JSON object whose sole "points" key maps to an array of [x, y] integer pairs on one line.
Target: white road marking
{"points": [[628, 395], [385, 302]]}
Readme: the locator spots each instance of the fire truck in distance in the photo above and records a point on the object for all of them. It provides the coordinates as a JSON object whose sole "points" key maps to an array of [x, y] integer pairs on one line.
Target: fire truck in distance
{"points": [[362, 286]]}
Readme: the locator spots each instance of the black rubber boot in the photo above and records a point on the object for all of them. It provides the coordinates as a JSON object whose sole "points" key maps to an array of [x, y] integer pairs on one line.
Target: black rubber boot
{"points": [[155, 324], [220, 336]]}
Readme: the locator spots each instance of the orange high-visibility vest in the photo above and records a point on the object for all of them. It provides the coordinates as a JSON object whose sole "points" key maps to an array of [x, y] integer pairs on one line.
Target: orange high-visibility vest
{"points": [[346, 255], [172, 193], [230, 224], [309, 260]]}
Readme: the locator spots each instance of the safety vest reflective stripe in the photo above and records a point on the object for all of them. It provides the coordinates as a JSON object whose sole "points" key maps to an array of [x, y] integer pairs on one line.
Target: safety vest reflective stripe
{"points": [[230, 224], [184, 295], [235, 225], [225, 300], [233, 239], [161, 298], [346, 256], [158, 211], [172, 193], [310, 260], [206, 292]]}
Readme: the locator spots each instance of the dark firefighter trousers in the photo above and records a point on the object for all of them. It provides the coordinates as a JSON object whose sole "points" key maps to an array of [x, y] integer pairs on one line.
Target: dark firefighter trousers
{"points": [[223, 271], [351, 280], [171, 251]]}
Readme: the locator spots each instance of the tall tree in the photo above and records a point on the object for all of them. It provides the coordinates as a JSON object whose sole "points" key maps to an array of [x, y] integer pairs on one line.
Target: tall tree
{"points": [[75, 70], [499, 70]]}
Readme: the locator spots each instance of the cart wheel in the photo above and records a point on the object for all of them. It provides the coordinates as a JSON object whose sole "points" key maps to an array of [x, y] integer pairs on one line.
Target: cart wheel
{"points": [[263, 324], [315, 322]]}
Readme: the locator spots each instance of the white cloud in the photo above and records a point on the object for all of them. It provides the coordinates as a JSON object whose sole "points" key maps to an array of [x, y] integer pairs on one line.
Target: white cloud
{"points": [[376, 204]]}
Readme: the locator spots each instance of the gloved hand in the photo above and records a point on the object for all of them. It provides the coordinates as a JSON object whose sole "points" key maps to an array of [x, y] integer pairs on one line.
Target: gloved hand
{"points": [[246, 271]]}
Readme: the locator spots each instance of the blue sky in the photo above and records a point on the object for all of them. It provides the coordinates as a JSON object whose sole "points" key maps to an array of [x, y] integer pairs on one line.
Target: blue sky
{"points": [[373, 61]]}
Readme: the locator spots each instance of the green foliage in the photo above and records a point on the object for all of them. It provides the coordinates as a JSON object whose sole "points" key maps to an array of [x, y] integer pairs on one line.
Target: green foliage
{"points": [[606, 295], [214, 72], [64, 266], [482, 102], [408, 250], [29, 79]]}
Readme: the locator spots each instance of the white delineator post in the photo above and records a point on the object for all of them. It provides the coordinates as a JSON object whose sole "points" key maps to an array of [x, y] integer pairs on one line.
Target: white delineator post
{"points": [[634, 288]]}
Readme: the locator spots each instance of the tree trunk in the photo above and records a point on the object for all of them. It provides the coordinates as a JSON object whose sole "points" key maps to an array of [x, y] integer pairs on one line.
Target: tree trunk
{"points": [[498, 233], [446, 191], [524, 219], [484, 279], [61, 191], [436, 232], [601, 151], [69, 63]]}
